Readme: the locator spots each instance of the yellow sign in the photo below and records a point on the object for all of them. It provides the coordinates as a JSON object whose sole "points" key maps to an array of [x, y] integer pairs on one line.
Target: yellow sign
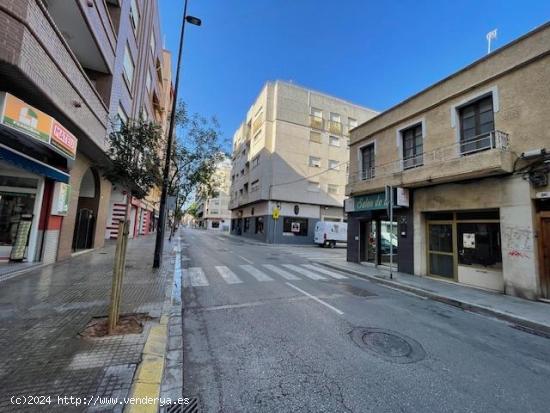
{"points": [[276, 213], [18, 115]]}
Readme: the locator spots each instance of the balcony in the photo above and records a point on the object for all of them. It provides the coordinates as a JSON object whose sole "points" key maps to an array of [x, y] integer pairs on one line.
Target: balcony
{"points": [[316, 122], [335, 127], [481, 156]]}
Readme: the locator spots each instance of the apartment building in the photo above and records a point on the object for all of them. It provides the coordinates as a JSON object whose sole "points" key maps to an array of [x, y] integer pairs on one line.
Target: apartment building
{"points": [[289, 161], [67, 68], [469, 158], [213, 210]]}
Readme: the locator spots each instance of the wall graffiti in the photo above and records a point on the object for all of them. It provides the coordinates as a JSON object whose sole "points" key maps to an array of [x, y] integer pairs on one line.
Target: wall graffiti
{"points": [[518, 241]]}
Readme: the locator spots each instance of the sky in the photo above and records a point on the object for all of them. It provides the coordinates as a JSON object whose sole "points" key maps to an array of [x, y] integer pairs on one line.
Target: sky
{"points": [[372, 53]]}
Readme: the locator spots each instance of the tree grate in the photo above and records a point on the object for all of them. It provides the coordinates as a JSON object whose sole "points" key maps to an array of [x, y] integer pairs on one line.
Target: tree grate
{"points": [[191, 407]]}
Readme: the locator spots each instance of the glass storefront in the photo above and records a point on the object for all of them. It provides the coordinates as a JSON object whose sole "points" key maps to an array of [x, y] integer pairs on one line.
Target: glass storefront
{"points": [[388, 242]]}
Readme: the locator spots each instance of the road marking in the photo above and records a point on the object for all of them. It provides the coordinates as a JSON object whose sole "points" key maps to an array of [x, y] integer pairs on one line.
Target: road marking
{"points": [[256, 273], [324, 271], [197, 277], [229, 276], [305, 272], [245, 259], [316, 299], [281, 272]]}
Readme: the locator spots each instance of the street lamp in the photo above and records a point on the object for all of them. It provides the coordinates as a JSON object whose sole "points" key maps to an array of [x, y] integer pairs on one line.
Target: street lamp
{"points": [[159, 243]]}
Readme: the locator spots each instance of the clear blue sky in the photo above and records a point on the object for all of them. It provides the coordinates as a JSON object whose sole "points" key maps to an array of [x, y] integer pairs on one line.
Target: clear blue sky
{"points": [[373, 53]]}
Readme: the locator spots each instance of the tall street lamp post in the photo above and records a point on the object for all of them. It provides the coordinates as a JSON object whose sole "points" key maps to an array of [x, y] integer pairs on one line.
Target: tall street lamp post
{"points": [[159, 244]]}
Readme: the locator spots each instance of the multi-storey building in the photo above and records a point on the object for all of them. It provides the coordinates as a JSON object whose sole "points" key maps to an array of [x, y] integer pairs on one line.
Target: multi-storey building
{"points": [[67, 68], [290, 163], [470, 157], [213, 210]]}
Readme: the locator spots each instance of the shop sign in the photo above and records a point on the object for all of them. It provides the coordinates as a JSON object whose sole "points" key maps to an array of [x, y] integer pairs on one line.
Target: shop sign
{"points": [[370, 202], [63, 140], [61, 199], [24, 118], [295, 227]]}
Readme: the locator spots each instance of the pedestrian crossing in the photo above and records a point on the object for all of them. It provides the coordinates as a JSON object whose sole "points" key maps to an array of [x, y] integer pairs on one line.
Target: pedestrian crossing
{"points": [[196, 276]]}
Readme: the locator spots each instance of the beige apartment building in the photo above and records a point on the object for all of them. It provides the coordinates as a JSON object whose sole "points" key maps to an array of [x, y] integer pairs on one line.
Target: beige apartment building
{"points": [[289, 161], [469, 156], [213, 210]]}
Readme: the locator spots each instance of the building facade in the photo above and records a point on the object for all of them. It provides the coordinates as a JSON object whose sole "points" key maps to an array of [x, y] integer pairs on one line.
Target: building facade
{"points": [[213, 210], [290, 163], [66, 69], [468, 157]]}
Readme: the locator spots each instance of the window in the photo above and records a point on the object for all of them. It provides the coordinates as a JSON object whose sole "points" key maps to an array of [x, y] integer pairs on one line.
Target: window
{"points": [[255, 185], [332, 189], [479, 244], [412, 147], [121, 118], [215, 224], [128, 65], [334, 165], [476, 124], [295, 226], [334, 141], [242, 172], [134, 16], [256, 161], [257, 135], [246, 224], [152, 43], [316, 118], [367, 162], [314, 137], [245, 188], [313, 186], [259, 225], [335, 123], [149, 81], [352, 123], [314, 162]]}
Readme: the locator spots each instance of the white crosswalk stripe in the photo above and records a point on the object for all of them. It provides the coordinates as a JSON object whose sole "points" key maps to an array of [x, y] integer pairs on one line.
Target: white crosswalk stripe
{"points": [[229, 276], [303, 271], [281, 272], [256, 273], [194, 277], [325, 271]]}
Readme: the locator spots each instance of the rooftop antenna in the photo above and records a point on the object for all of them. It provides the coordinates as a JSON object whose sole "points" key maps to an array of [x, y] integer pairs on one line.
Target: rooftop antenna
{"points": [[492, 35]]}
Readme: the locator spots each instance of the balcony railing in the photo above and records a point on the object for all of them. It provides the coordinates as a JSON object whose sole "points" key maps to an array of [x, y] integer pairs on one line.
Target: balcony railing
{"points": [[316, 122], [496, 140], [335, 127]]}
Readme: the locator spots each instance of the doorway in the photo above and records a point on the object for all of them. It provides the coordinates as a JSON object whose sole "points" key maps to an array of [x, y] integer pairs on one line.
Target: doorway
{"points": [[441, 253], [545, 254], [86, 212], [368, 250]]}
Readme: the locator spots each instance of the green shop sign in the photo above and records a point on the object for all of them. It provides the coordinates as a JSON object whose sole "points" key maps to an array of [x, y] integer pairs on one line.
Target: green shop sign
{"points": [[370, 202]]}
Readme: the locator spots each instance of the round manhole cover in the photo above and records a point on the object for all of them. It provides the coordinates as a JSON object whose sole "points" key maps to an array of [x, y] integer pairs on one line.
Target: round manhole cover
{"points": [[388, 345]]}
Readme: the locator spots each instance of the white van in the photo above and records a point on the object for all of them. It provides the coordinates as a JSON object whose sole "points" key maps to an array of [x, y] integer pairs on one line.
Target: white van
{"points": [[327, 234]]}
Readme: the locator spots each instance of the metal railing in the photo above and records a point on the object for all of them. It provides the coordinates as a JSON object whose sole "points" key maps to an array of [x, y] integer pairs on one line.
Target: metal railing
{"points": [[496, 140]]}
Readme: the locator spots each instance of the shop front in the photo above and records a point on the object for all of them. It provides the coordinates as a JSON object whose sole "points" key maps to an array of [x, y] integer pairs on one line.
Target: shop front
{"points": [[34, 195], [374, 239]]}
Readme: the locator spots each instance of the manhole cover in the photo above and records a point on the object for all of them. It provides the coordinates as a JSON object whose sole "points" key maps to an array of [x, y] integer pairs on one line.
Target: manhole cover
{"points": [[388, 345]]}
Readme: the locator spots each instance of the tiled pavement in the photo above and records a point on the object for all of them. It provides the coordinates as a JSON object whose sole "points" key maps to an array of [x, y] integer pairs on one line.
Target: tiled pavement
{"points": [[42, 312]]}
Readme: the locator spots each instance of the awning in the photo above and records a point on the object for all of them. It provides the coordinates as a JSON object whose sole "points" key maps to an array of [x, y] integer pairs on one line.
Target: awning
{"points": [[27, 163]]}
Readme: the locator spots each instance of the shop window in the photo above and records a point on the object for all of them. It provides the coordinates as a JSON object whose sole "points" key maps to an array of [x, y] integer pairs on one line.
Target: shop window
{"points": [[479, 244], [259, 229], [246, 224], [296, 226], [13, 207]]}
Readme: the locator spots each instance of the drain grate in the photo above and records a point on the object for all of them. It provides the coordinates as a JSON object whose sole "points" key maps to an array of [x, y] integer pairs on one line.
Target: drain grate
{"points": [[191, 407], [388, 345]]}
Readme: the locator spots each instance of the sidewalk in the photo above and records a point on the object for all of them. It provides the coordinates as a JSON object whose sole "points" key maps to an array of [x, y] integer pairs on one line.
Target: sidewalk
{"points": [[529, 314], [43, 310]]}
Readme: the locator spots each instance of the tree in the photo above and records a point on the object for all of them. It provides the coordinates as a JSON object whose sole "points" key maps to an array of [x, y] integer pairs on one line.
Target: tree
{"points": [[197, 151], [135, 166]]}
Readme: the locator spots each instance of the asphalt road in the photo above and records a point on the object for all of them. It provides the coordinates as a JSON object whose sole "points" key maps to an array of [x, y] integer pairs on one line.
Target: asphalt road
{"points": [[270, 338]]}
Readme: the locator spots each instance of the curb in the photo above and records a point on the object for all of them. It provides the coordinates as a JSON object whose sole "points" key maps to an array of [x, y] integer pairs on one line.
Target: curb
{"points": [[474, 308]]}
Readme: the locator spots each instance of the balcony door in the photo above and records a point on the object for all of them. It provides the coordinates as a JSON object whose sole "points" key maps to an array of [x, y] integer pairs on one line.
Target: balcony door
{"points": [[476, 125], [367, 162]]}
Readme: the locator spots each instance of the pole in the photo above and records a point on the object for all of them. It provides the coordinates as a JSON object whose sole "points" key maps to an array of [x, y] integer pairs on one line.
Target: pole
{"points": [[159, 242], [391, 232]]}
